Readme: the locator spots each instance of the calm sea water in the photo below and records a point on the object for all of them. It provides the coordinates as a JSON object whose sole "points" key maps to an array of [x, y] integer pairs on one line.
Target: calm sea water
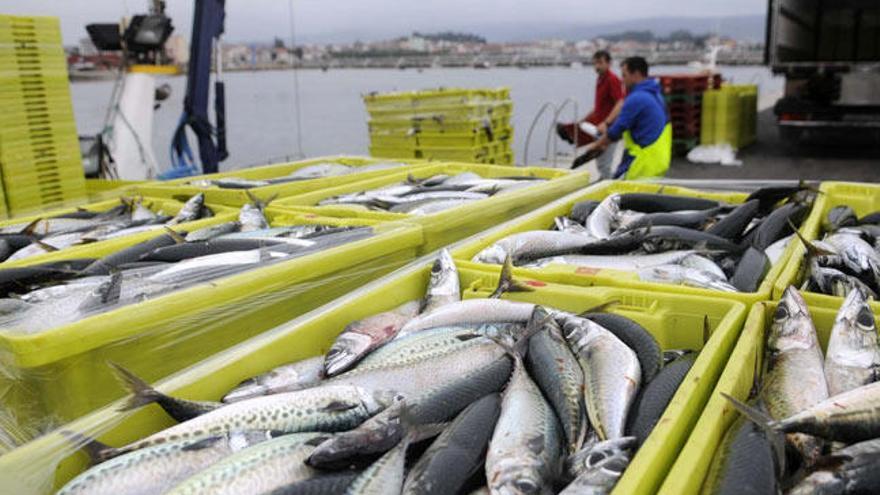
{"points": [[262, 123]]}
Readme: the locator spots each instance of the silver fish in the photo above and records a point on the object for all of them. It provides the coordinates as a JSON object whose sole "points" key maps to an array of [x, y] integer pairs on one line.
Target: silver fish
{"points": [[213, 231], [566, 224], [536, 244], [598, 467], [470, 311], [288, 378], [612, 374], [775, 250], [325, 408], [326, 169], [431, 207], [363, 336], [444, 287], [602, 220], [251, 218], [633, 262], [385, 476], [157, 469], [190, 211], [794, 379], [680, 275], [526, 446], [259, 469], [853, 354]]}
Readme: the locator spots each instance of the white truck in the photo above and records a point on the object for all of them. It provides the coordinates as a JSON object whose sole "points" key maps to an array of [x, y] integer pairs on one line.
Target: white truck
{"points": [[829, 53]]}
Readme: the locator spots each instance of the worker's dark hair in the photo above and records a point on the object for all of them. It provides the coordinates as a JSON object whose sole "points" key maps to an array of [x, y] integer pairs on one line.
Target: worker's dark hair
{"points": [[602, 54], [636, 64]]}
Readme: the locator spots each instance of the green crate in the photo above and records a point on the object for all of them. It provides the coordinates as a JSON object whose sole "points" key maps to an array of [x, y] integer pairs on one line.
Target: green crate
{"points": [[689, 471], [542, 219], [180, 188], [863, 199], [448, 226], [61, 374], [402, 142], [466, 112], [676, 321]]}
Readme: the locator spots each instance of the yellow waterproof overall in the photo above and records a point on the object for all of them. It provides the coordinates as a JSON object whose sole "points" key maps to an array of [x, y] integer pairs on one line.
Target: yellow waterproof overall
{"points": [[652, 160]]}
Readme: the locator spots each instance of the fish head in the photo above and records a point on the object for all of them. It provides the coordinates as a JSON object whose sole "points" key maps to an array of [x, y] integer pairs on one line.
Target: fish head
{"points": [[494, 254], [345, 351], [857, 320], [515, 475], [792, 326], [378, 400], [444, 276]]}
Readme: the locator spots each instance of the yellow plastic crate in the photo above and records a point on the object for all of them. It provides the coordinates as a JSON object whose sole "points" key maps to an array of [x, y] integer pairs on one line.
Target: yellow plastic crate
{"points": [[448, 226], [863, 199], [729, 115], [689, 471], [394, 153], [179, 188], [61, 374], [103, 248], [102, 189], [431, 97], [467, 112], [542, 219], [403, 126], [675, 320]]}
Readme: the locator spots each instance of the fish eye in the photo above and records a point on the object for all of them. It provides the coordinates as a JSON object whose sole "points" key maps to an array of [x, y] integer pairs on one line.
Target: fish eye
{"points": [[595, 458], [865, 318], [435, 268], [781, 313], [526, 486]]}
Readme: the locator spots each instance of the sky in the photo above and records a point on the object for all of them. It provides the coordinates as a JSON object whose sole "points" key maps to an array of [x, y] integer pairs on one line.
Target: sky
{"points": [[349, 20]]}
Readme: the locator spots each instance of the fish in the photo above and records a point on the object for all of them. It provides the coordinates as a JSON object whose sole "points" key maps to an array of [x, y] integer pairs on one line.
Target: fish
{"points": [[430, 207], [848, 417], [600, 223], [566, 224], [386, 475], [325, 408], [656, 396], [636, 337], [680, 275], [558, 374], [287, 378], [361, 337], [143, 394], [612, 374], [839, 217], [157, 469], [258, 469], [251, 218], [325, 483], [794, 379], [130, 254], [443, 287], [526, 445], [774, 251], [778, 224], [688, 219], [599, 467], [191, 210], [843, 474], [208, 233], [632, 262], [581, 211], [745, 461], [734, 223], [660, 203], [526, 246], [325, 169], [853, 354], [751, 270], [458, 453]]}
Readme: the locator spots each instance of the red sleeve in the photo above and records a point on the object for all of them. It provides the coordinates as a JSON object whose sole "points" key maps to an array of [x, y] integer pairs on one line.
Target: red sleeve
{"points": [[615, 90]]}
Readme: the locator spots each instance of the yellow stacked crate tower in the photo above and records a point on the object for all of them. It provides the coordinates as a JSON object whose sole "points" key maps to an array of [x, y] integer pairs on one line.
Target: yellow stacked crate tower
{"points": [[462, 125], [40, 160]]}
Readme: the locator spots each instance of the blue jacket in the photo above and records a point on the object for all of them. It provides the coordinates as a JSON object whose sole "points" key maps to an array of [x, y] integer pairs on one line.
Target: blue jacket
{"points": [[643, 114]]}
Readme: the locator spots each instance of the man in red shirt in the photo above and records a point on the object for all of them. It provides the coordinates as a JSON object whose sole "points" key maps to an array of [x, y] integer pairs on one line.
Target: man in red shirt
{"points": [[609, 94]]}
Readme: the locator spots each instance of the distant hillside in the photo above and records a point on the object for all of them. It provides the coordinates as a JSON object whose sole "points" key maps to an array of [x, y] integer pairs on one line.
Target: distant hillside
{"points": [[744, 28]]}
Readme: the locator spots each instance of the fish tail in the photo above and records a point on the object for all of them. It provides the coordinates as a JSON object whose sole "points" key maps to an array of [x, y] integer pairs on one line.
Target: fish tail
{"points": [[812, 250], [506, 283], [600, 308], [143, 393], [178, 239], [98, 452], [30, 228], [755, 415]]}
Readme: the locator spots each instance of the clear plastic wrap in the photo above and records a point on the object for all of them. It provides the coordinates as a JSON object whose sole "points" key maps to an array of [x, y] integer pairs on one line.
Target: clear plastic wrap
{"points": [[676, 321], [508, 197], [281, 180], [156, 319]]}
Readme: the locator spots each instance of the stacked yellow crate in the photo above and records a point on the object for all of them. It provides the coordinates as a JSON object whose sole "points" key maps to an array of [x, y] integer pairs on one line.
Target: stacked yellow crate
{"points": [[464, 125], [40, 157], [730, 115]]}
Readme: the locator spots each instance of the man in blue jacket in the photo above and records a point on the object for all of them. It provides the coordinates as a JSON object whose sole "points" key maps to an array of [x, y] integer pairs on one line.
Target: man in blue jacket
{"points": [[643, 124]]}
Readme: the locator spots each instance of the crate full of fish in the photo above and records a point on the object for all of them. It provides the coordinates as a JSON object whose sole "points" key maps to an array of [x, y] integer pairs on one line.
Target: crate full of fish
{"points": [[450, 201], [164, 303], [841, 249], [652, 237], [282, 180], [487, 391], [99, 229], [804, 378]]}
